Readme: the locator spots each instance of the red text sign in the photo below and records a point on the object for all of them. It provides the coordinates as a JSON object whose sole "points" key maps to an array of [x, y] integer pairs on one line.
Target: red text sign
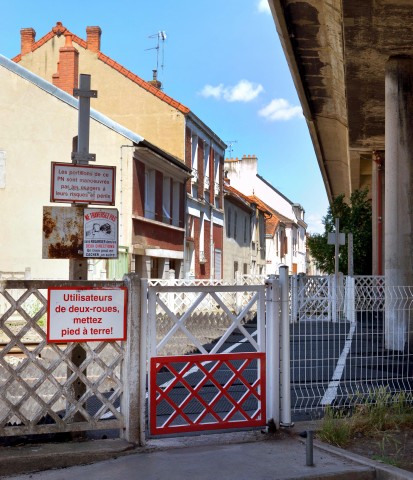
{"points": [[83, 314]]}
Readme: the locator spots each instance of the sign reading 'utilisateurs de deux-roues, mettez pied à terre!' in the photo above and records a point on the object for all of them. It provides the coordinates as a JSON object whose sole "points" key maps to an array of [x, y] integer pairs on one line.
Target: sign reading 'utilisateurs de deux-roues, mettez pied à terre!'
{"points": [[84, 314]]}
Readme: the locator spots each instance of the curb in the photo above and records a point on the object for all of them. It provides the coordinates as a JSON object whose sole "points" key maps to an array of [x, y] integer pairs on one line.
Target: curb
{"points": [[383, 471], [25, 459]]}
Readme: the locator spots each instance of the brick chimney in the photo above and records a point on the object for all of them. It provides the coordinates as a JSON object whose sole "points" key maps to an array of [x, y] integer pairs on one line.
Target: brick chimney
{"points": [[27, 36], [93, 38], [155, 82], [67, 74]]}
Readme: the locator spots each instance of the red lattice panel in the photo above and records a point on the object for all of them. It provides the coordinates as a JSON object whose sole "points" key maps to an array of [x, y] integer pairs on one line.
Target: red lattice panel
{"points": [[207, 392]]}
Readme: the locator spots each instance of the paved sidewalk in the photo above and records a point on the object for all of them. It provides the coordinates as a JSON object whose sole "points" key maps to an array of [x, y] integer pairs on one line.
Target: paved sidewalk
{"points": [[240, 456]]}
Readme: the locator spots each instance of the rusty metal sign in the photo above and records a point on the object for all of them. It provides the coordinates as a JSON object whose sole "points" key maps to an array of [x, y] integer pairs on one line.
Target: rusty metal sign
{"points": [[63, 232]]}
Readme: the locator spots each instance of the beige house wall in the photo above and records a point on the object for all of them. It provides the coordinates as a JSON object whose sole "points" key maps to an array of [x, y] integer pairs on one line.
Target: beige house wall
{"points": [[119, 97], [37, 129]]}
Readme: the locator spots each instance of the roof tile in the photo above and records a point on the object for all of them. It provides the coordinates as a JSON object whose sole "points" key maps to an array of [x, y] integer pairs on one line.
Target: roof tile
{"points": [[104, 58]]}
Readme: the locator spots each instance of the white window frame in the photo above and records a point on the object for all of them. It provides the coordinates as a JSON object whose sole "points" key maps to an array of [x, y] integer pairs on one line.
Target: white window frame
{"points": [[150, 193], [166, 200]]}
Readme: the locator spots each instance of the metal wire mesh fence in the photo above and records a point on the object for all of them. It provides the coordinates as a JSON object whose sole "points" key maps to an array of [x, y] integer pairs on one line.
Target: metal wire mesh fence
{"points": [[368, 347]]}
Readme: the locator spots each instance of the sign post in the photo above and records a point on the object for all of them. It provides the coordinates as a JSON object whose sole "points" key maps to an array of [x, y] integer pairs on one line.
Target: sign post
{"points": [[336, 239], [78, 268]]}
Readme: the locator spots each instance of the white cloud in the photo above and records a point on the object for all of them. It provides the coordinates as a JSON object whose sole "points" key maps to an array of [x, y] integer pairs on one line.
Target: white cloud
{"points": [[315, 223], [210, 91], [263, 6], [280, 109], [243, 91]]}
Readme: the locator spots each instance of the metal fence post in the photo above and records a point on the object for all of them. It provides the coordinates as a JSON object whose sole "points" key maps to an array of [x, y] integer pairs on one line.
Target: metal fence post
{"points": [[285, 351], [273, 349], [131, 406], [294, 298]]}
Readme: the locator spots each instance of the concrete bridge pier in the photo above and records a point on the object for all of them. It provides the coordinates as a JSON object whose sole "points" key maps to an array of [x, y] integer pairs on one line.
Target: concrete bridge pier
{"points": [[398, 196]]}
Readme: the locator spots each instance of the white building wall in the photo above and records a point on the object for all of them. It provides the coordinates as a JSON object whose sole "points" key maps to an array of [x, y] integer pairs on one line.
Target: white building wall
{"points": [[36, 129], [243, 175]]}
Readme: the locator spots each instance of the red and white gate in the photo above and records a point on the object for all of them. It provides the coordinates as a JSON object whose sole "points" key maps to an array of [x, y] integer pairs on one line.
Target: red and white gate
{"points": [[207, 356]]}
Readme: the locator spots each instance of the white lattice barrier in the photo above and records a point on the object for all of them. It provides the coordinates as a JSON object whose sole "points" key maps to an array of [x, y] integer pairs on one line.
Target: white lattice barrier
{"points": [[208, 309], [206, 390], [179, 302], [37, 379], [311, 297], [341, 363]]}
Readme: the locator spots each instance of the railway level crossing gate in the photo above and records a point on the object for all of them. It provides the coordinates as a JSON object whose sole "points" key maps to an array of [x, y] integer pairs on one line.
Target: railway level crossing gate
{"points": [[208, 348], [196, 358]]}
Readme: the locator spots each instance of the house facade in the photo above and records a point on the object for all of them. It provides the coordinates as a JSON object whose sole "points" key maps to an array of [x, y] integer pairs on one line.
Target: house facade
{"points": [[143, 107], [158, 212], [286, 229], [39, 123], [244, 235]]}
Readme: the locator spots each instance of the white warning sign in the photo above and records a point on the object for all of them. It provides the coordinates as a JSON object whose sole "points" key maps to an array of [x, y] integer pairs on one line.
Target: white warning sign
{"points": [[82, 314], [100, 233]]}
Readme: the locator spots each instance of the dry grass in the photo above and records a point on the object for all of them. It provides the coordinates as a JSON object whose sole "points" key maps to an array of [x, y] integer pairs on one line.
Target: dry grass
{"points": [[380, 427]]}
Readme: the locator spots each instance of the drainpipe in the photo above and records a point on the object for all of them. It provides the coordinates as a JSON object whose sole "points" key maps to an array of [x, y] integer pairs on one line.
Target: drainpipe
{"points": [[121, 239], [378, 159], [211, 246]]}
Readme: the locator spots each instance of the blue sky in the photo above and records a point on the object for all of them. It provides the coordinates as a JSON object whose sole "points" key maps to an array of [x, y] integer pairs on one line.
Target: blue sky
{"points": [[220, 58]]}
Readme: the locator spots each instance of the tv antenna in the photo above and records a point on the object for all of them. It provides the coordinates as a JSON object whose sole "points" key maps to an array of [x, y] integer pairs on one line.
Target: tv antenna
{"points": [[161, 37], [230, 143]]}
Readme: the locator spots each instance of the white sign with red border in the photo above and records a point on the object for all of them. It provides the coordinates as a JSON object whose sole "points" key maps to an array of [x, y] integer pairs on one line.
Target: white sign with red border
{"points": [[84, 314], [83, 183], [100, 233]]}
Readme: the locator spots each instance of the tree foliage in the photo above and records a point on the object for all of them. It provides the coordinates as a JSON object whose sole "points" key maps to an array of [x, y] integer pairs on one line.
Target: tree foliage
{"points": [[355, 218]]}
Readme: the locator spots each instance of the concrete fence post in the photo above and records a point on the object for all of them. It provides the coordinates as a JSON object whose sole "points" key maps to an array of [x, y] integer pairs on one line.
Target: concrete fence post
{"points": [[131, 406], [273, 349], [285, 350]]}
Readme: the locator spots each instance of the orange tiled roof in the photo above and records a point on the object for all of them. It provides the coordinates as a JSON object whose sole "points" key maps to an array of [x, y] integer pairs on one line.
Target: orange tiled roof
{"points": [[59, 29], [248, 198], [272, 223]]}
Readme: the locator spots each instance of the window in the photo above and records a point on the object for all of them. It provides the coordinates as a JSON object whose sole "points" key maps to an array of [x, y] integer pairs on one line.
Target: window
{"points": [[254, 229], [194, 164], [166, 200], [245, 229], [194, 151], [216, 168], [235, 269], [218, 264], [235, 225], [202, 252], [150, 194], [176, 194], [245, 268], [207, 180], [229, 223], [261, 231]]}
